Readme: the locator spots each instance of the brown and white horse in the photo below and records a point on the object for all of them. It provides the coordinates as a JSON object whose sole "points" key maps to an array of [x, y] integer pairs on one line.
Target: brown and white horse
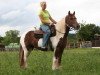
{"points": [[28, 42]]}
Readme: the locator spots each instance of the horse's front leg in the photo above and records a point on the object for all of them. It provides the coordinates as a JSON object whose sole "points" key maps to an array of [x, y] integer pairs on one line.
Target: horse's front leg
{"points": [[57, 58]]}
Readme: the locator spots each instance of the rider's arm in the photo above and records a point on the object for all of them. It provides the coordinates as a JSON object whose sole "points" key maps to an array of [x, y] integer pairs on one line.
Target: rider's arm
{"points": [[52, 20]]}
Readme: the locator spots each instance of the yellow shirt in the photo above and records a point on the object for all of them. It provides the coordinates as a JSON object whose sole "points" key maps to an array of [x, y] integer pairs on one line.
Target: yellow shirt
{"points": [[45, 16]]}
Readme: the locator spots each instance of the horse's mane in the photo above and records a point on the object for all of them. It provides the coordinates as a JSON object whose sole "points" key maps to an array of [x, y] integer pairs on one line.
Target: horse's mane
{"points": [[60, 26]]}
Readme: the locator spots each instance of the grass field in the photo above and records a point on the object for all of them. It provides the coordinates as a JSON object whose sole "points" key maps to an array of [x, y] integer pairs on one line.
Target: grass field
{"points": [[74, 62]]}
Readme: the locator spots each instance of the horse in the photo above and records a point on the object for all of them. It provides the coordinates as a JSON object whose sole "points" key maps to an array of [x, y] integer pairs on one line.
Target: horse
{"points": [[28, 42]]}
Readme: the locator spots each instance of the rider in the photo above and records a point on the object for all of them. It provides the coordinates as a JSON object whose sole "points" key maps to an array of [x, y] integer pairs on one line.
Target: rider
{"points": [[46, 20]]}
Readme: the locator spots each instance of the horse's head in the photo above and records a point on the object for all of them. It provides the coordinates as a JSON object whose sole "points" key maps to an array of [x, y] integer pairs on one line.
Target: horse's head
{"points": [[71, 21]]}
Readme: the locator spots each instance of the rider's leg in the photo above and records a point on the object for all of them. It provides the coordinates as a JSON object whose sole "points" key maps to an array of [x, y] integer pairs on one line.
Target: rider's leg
{"points": [[47, 31]]}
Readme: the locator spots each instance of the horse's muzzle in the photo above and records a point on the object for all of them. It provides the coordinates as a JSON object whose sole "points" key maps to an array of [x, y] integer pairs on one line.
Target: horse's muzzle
{"points": [[77, 27]]}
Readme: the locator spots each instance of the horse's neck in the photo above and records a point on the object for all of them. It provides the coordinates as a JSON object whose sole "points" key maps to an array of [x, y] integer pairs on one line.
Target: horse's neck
{"points": [[60, 26], [60, 32], [61, 29]]}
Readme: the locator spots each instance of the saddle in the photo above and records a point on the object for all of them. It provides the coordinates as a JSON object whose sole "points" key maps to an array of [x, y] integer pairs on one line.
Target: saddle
{"points": [[39, 33]]}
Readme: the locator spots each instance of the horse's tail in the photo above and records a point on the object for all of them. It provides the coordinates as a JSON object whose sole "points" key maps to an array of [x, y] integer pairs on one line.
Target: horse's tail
{"points": [[21, 56]]}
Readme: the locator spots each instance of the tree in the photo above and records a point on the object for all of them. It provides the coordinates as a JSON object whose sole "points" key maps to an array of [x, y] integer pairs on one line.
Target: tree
{"points": [[11, 37], [72, 38], [87, 31], [1, 39]]}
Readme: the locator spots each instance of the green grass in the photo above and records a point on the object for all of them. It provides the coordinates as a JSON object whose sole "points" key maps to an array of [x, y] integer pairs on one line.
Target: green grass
{"points": [[74, 62]]}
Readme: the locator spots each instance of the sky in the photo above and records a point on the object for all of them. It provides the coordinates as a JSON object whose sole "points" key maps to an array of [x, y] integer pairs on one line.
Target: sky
{"points": [[22, 15]]}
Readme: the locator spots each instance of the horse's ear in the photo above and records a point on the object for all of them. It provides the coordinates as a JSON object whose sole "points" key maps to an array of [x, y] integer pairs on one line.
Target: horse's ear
{"points": [[68, 12], [74, 13]]}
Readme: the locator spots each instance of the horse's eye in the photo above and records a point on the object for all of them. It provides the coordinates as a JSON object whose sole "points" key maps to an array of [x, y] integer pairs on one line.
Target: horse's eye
{"points": [[74, 18]]}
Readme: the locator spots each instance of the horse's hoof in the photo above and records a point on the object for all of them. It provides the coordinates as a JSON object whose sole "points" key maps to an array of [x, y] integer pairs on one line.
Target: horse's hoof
{"points": [[23, 67], [57, 68], [44, 49]]}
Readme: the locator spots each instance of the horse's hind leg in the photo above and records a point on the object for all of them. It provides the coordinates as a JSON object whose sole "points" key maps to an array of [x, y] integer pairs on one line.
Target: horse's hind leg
{"points": [[23, 57]]}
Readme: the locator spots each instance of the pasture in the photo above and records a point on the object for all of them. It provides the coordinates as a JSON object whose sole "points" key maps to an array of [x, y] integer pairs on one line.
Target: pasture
{"points": [[74, 62]]}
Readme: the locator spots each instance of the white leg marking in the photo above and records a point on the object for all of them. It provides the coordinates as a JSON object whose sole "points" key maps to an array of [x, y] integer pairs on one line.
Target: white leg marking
{"points": [[55, 64], [25, 58], [24, 49]]}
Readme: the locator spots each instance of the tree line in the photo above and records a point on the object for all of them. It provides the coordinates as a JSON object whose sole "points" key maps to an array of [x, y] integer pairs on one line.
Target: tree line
{"points": [[86, 33], [11, 36]]}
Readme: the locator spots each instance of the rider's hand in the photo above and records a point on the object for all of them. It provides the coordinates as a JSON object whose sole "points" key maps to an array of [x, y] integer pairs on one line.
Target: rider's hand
{"points": [[55, 22], [51, 23]]}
